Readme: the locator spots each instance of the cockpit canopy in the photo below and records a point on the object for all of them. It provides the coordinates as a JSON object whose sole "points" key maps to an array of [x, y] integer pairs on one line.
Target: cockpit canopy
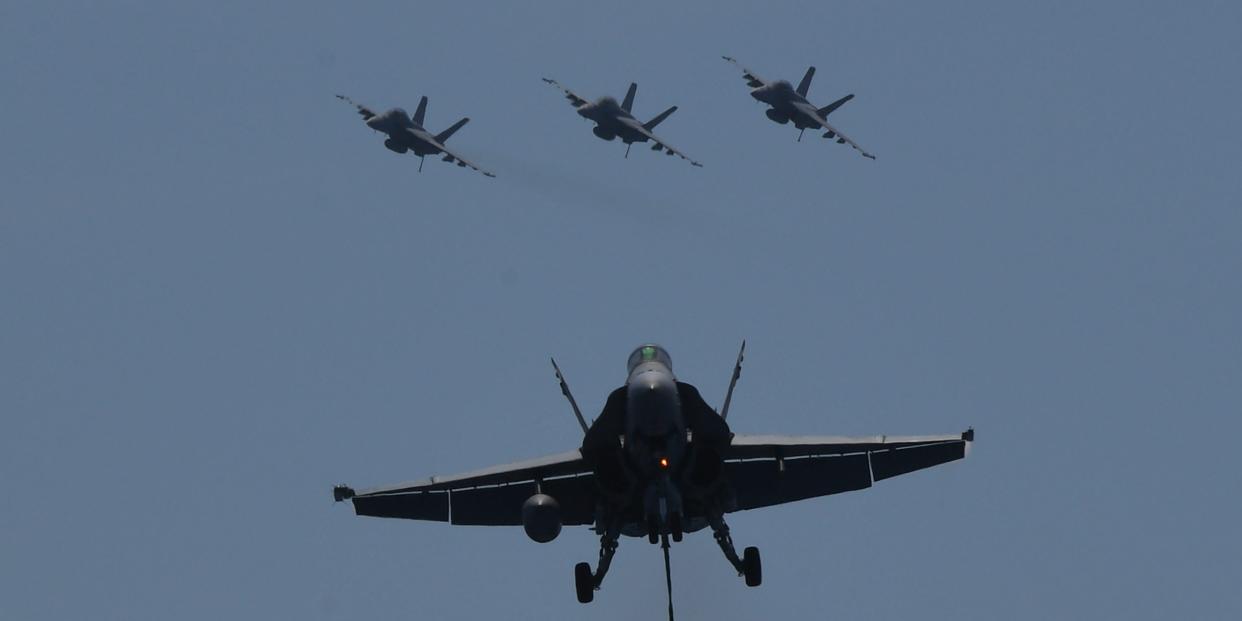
{"points": [[648, 353]]}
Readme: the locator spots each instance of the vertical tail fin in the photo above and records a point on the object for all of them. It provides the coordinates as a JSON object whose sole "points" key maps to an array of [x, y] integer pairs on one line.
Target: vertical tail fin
{"points": [[650, 125], [444, 135], [421, 112], [628, 103], [826, 110], [569, 395], [805, 84], [737, 373]]}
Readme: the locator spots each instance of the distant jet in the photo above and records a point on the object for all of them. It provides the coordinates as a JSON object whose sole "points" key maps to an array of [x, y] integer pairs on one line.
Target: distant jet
{"points": [[406, 134], [614, 120], [789, 104], [658, 463]]}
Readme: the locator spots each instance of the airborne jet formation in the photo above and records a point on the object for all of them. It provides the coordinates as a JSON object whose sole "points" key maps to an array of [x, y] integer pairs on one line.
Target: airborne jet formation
{"points": [[407, 134], [615, 120], [657, 463]]}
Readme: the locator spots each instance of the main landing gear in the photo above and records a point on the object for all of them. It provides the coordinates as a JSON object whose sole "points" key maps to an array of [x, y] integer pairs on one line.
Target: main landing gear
{"points": [[749, 566], [586, 582]]}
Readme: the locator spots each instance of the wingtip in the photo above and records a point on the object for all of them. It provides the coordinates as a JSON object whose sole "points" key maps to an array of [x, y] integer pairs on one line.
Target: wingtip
{"points": [[969, 434], [342, 492]]}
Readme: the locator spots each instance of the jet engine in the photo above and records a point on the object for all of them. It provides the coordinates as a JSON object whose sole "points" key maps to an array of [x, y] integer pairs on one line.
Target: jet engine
{"points": [[776, 116], [541, 517], [392, 146], [603, 133]]}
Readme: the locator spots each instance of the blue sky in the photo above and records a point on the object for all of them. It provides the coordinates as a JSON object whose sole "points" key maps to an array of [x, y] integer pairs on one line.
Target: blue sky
{"points": [[222, 296]]}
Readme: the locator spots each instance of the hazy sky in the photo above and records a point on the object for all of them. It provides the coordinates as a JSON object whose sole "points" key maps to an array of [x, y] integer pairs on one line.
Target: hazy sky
{"points": [[222, 295]]}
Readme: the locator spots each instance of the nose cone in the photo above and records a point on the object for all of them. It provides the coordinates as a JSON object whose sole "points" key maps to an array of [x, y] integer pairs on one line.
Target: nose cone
{"points": [[653, 402]]}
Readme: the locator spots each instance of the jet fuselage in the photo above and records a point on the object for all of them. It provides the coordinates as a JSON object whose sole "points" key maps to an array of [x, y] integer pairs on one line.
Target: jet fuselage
{"points": [[611, 120], [403, 133], [784, 102]]}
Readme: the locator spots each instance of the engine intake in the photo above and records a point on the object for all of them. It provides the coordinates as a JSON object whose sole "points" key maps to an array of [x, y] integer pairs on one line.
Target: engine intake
{"points": [[392, 146], [776, 116], [541, 517], [603, 133]]}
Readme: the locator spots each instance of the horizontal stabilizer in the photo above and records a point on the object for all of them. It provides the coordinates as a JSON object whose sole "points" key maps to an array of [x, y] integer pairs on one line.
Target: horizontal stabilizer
{"points": [[444, 135], [650, 125], [826, 110]]}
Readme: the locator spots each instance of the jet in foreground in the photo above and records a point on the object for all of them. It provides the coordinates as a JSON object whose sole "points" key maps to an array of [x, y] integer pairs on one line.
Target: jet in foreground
{"points": [[406, 134], [657, 463], [790, 104], [613, 120]]}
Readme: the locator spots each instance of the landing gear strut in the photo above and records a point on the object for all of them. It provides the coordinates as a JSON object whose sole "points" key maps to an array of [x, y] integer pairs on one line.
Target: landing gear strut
{"points": [[749, 566], [586, 582]]}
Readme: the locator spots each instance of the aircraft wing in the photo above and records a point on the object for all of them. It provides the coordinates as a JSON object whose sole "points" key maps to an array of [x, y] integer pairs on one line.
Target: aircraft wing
{"points": [[659, 143], [832, 131], [364, 111], [752, 79], [772, 470], [450, 156], [576, 100], [488, 497]]}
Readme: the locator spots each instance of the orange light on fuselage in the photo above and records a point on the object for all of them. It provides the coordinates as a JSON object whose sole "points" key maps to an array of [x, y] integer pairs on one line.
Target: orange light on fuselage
{"points": [[664, 462]]}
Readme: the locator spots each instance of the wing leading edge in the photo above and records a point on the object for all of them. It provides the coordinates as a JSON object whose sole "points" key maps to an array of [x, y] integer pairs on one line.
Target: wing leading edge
{"points": [[489, 497], [772, 470]]}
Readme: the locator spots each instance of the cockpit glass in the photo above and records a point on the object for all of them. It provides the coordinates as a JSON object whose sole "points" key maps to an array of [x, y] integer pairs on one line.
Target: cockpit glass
{"points": [[649, 353]]}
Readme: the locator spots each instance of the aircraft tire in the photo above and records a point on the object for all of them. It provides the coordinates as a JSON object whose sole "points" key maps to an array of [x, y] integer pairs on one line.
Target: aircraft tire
{"points": [[752, 567], [584, 583]]}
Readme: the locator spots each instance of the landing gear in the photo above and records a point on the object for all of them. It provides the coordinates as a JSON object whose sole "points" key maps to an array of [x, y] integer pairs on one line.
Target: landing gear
{"points": [[749, 566], [674, 526], [587, 582]]}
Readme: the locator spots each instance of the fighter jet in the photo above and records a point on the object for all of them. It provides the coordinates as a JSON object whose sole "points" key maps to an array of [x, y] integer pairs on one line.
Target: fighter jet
{"points": [[406, 134], [789, 104], [657, 463], [613, 120]]}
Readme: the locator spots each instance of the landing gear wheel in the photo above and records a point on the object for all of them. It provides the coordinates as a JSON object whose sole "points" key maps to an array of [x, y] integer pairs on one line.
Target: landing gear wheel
{"points": [[653, 529], [674, 525], [752, 567], [584, 583]]}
